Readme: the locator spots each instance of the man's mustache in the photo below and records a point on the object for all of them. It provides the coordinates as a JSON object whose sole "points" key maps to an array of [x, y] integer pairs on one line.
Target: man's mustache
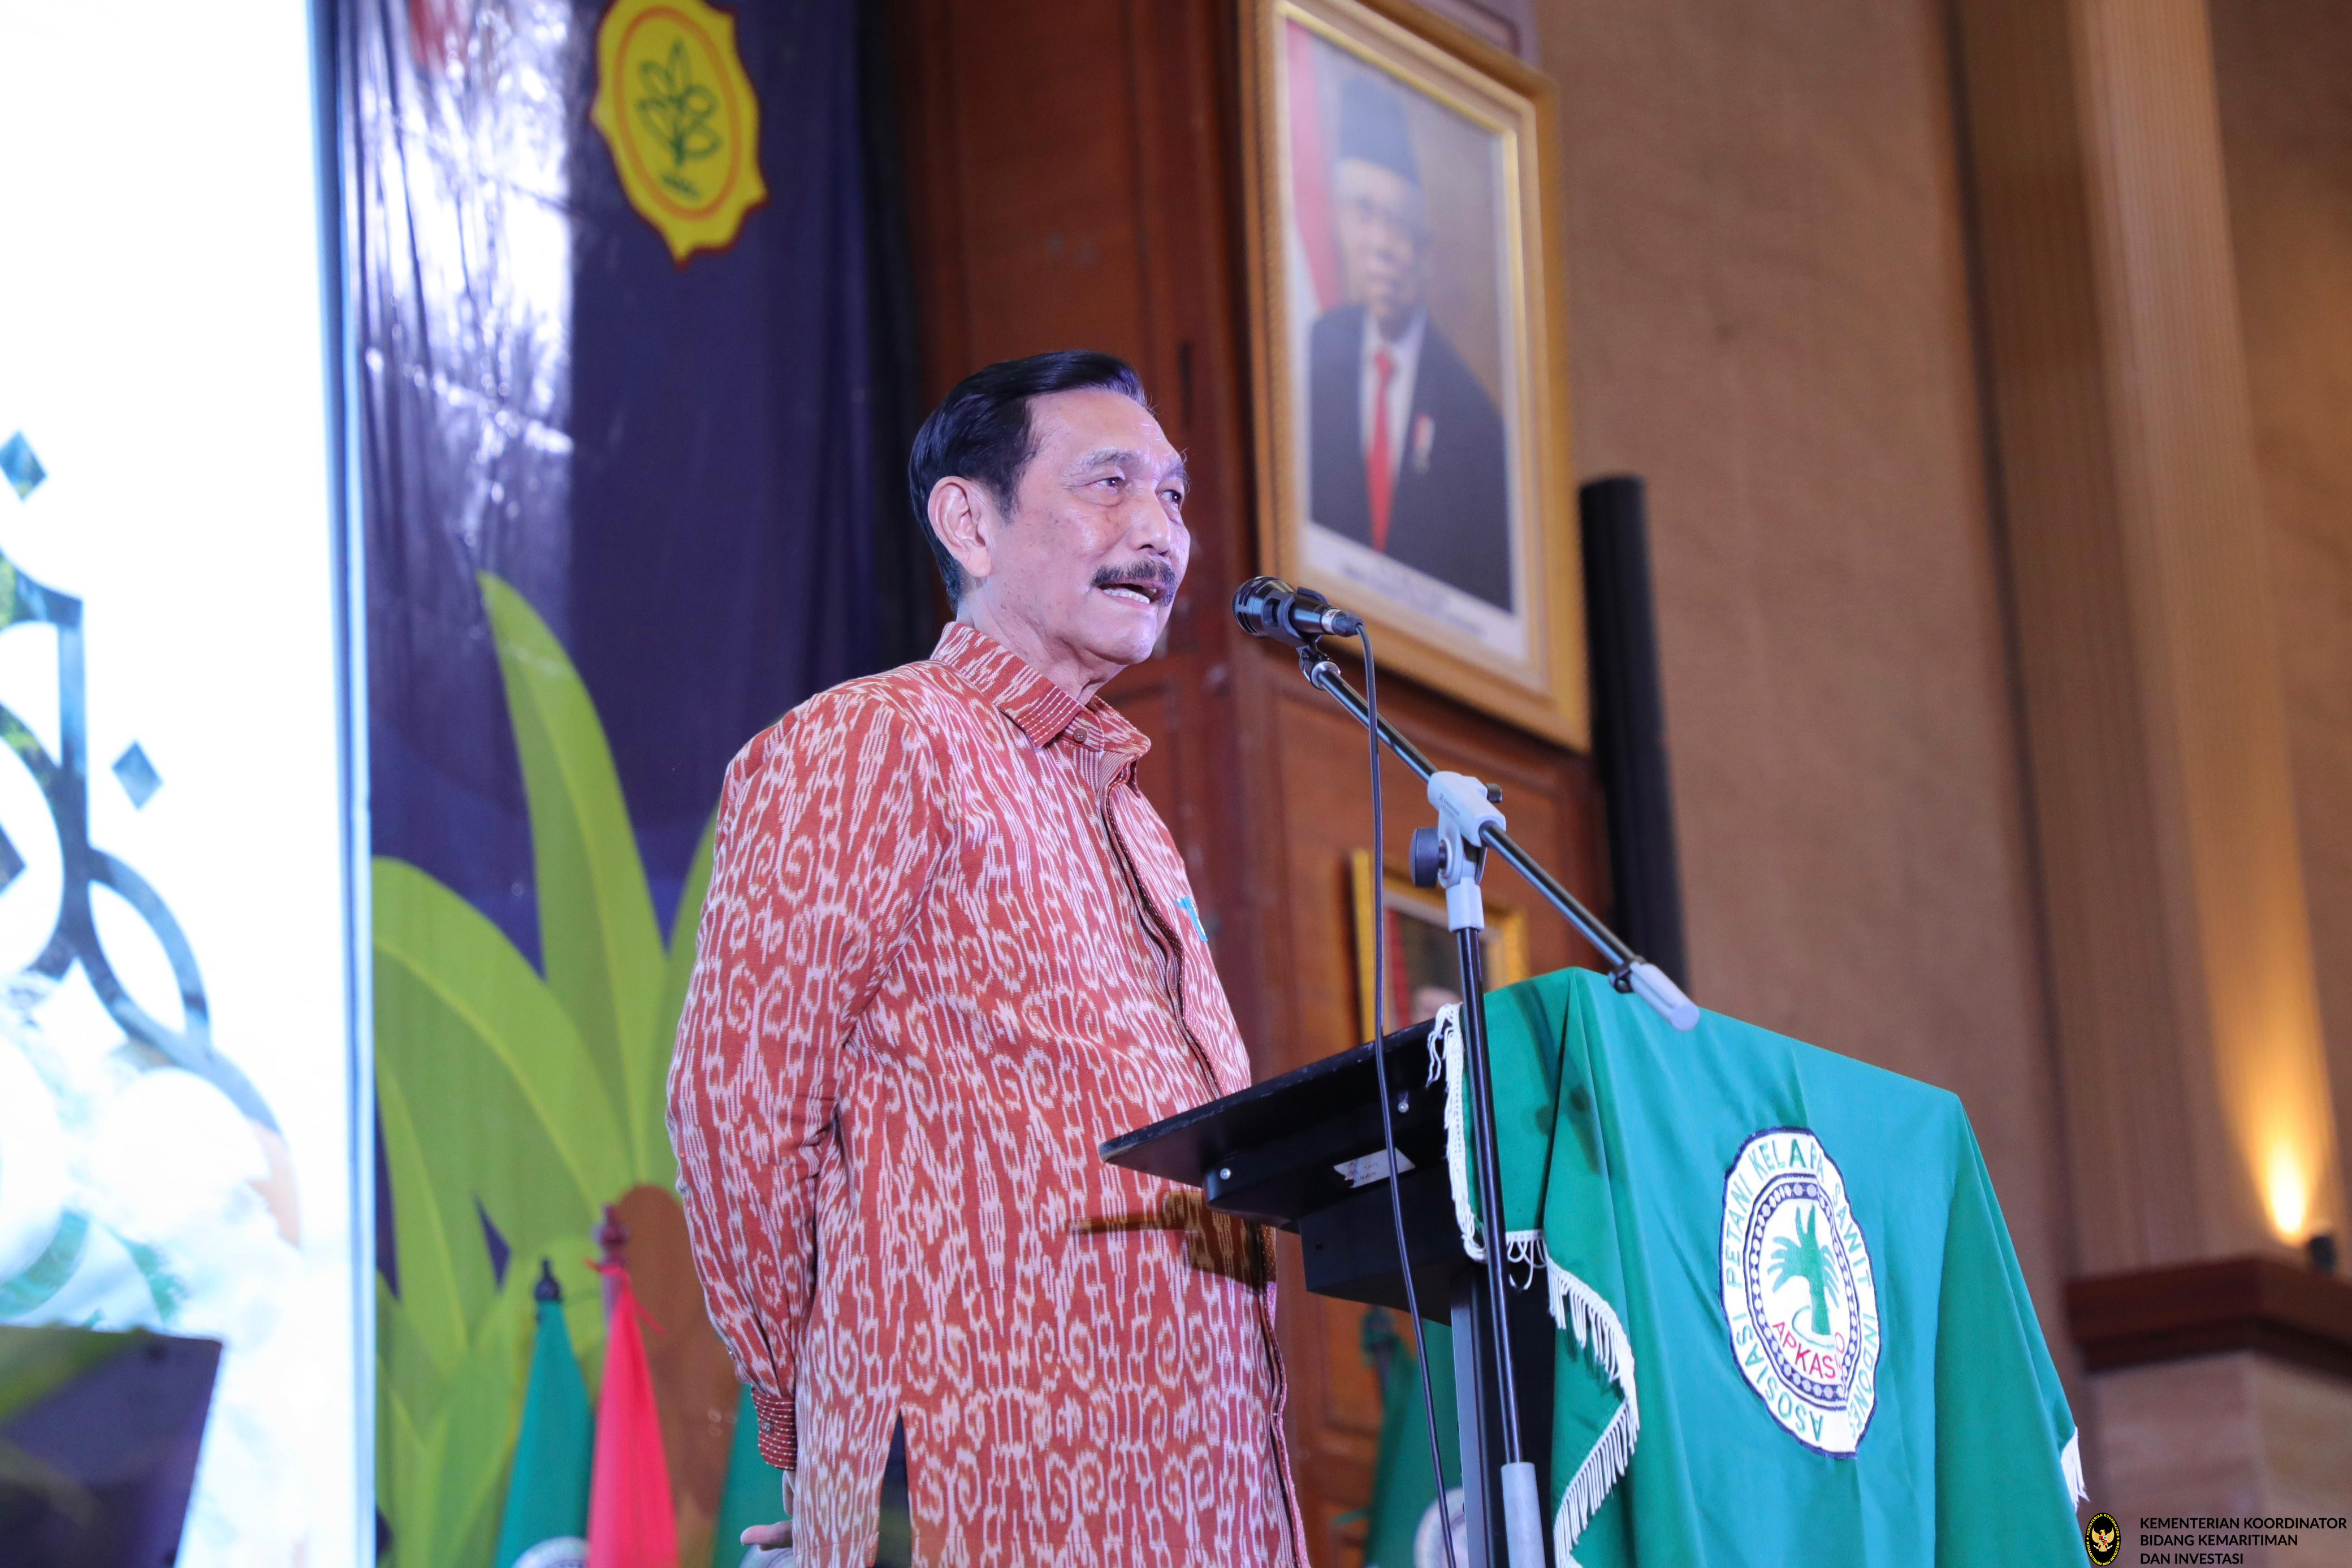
{"points": [[1154, 574]]}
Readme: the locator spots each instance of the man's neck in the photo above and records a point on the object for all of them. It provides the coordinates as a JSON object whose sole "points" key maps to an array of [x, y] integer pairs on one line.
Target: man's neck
{"points": [[1074, 673], [1395, 334]]}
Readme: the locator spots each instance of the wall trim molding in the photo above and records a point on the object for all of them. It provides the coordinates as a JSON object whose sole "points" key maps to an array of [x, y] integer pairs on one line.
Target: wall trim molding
{"points": [[2288, 1311]]}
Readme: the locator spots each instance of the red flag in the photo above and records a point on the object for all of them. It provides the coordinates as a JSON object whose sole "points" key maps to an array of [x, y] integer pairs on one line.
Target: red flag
{"points": [[631, 1522], [1310, 193]]}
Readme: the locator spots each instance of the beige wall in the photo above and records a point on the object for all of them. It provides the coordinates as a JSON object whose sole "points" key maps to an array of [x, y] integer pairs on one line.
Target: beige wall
{"points": [[1770, 321], [2284, 68]]}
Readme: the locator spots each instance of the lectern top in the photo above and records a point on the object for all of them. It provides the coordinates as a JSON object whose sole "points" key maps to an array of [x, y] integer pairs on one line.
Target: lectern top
{"points": [[1265, 1140]]}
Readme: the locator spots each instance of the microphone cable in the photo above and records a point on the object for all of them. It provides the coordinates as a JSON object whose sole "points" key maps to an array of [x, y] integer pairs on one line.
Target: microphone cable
{"points": [[1381, 1071]]}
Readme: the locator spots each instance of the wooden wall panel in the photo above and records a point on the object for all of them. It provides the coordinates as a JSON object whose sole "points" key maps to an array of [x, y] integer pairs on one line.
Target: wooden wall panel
{"points": [[1049, 254], [1073, 176]]}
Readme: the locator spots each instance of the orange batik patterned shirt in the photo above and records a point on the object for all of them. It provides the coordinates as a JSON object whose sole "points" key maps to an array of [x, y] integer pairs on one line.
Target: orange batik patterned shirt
{"points": [[949, 949]]}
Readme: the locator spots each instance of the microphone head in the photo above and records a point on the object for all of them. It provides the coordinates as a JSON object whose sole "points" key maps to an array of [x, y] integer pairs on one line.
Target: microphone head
{"points": [[1260, 606]]}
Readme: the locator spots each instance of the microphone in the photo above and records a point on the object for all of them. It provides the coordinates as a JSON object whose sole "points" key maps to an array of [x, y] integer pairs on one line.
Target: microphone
{"points": [[1269, 607]]}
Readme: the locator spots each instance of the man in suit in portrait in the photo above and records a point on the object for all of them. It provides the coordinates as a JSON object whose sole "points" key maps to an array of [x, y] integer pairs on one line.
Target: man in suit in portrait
{"points": [[1405, 451]]}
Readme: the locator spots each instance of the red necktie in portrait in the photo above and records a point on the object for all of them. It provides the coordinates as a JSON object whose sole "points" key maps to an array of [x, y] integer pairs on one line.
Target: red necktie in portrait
{"points": [[1378, 472]]}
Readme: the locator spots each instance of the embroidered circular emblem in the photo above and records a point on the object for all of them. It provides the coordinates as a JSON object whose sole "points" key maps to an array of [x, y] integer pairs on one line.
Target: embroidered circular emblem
{"points": [[1429, 1537], [1799, 1294]]}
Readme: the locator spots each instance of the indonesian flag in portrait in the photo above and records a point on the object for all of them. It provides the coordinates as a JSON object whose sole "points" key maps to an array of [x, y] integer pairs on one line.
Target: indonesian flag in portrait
{"points": [[1315, 249], [1311, 277], [632, 1521]]}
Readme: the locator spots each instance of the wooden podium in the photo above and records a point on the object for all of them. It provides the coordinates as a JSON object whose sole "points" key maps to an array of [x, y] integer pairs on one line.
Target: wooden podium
{"points": [[1301, 1153]]}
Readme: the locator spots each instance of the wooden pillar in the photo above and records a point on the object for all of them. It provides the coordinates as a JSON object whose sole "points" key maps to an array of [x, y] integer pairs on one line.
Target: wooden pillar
{"points": [[2197, 1104], [2191, 1062]]}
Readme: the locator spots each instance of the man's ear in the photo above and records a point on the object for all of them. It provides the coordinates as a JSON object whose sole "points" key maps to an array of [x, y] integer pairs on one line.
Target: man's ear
{"points": [[964, 517]]}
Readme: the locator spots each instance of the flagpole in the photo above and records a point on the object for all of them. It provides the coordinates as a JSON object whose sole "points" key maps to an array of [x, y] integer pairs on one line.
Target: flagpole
{"points": [[613, 1236]]}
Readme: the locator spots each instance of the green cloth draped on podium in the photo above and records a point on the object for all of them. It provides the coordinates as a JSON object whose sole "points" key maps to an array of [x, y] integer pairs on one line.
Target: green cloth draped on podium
{"points": [[1793, 1326]]}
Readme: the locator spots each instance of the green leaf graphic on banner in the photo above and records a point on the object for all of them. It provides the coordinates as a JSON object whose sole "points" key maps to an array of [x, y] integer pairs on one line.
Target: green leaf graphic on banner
{"points": [[512, 1101], [405, 1371], [403, 1482], [596, 932], [474, 1434], [516, 1100], [679, 972], [428, 1274]]}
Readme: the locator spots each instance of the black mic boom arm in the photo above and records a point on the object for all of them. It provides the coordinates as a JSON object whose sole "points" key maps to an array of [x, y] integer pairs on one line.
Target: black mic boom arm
{"points": [[1628, 970]]}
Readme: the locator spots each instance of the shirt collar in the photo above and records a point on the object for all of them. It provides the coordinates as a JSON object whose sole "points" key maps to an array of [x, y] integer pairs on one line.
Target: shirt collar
{"points": [[1406, 349], [1043, 711]]}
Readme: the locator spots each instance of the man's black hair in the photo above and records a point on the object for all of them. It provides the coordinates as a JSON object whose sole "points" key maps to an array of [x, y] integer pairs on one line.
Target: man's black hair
{"points": [[981, 431]]}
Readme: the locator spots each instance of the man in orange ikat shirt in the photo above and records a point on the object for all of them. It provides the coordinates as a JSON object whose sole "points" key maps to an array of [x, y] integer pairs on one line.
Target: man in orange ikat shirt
{"points": [[950, 949]]}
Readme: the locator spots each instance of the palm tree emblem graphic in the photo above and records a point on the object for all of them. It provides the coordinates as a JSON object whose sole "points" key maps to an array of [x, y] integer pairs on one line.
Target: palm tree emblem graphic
{"points": [[1811, 1356], [1802, 1257]]}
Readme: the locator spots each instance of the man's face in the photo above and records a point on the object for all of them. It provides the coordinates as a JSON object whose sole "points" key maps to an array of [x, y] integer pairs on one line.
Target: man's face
{"points": [[1383, 233], [1091, 555]]}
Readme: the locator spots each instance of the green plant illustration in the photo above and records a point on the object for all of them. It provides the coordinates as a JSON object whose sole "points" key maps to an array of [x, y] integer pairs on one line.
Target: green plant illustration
{"points": [[1805, 1259], [514, 1099], [677, 110]]}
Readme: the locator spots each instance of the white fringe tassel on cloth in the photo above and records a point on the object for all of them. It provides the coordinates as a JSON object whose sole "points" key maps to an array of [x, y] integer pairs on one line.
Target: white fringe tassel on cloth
{"points": [[1580, 1310], [1445, 1056], [1576, 1307]]}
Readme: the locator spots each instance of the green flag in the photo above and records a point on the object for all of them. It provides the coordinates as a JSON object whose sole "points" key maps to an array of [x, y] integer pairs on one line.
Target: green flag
{"points": [[1404, 1518], [546, 1523], [754, 1493], [1793, 1326]]}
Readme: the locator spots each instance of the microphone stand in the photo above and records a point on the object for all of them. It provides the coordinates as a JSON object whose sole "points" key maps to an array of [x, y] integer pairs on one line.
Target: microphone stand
{"points": [[1628, 970], [1454, 856]]}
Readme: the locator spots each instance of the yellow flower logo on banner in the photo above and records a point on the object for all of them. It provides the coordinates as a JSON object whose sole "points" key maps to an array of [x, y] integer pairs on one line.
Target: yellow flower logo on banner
{"points": [[681, 120]]}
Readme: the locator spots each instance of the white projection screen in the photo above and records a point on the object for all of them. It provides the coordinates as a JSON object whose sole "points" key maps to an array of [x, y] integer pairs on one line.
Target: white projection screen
{"points": [[180, 1075]]}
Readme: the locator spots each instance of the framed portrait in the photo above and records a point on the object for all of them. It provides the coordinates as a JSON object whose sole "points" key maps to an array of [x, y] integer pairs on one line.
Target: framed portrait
{"points": [[1411, 361], [1423, 973]]}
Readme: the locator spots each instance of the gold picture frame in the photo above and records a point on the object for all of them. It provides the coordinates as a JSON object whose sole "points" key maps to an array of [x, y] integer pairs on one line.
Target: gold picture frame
{"points": [[1422, 946], [1406, 309]]}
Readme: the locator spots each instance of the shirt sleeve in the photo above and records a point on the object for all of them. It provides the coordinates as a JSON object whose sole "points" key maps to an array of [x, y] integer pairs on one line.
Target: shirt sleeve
{"points": [[828, 831]]}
